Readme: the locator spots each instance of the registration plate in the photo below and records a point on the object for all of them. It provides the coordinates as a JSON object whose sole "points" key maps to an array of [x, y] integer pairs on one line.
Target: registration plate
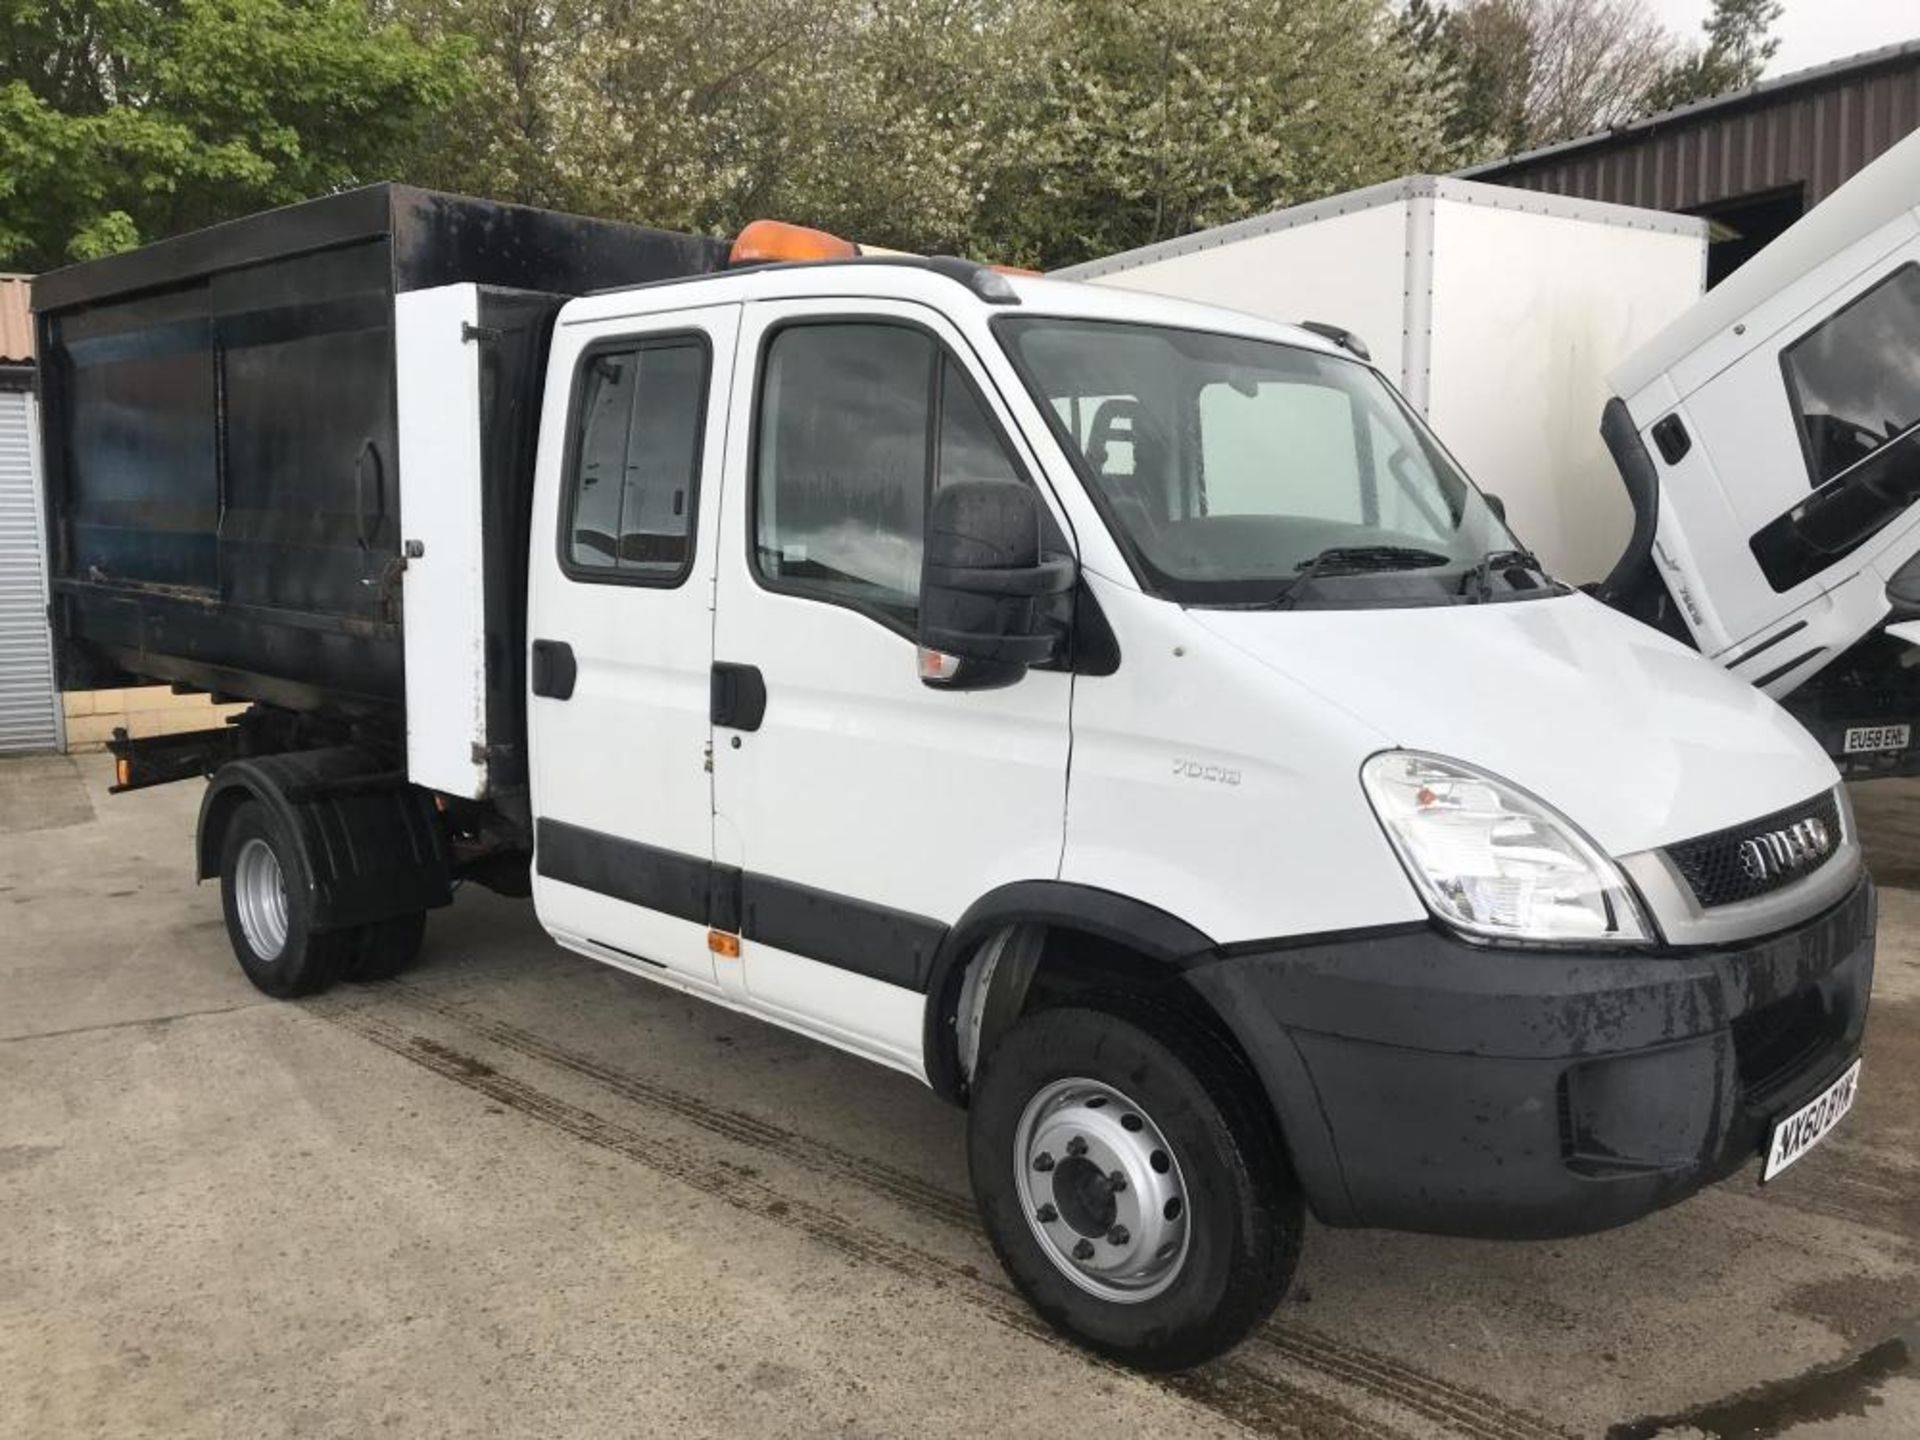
{"points": [[1870, 739], [1806, 1127]]}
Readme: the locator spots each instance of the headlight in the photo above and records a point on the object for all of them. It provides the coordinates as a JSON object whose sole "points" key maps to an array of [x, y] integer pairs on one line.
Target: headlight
{"points": [[1493, 861]]}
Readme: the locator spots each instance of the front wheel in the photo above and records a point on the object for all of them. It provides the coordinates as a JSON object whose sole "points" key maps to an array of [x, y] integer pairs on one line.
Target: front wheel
{"points": [[1133, 1186]]}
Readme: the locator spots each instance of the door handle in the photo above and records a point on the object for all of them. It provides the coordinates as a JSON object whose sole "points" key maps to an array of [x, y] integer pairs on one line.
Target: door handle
{"points": [[738, 696], [554, 670]]}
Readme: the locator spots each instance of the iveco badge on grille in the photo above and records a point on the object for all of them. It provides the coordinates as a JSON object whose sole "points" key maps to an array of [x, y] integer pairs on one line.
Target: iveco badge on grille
{"points": [[1781, 852]]}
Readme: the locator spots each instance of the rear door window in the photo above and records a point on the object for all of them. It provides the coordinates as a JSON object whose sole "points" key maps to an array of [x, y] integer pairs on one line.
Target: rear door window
{"points": [[636, 465]]}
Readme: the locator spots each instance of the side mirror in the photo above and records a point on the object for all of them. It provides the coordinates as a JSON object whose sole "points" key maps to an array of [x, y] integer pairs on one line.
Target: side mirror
{"points": [[1496, 505], [984, 586]]}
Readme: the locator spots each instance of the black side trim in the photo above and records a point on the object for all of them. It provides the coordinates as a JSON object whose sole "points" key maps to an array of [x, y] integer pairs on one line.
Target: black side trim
{"points": [[646, 875], [1321, 937], [1793, 664], [1768, 643], [723, 898], [872, 940], [849, 934], [1630, 458]]}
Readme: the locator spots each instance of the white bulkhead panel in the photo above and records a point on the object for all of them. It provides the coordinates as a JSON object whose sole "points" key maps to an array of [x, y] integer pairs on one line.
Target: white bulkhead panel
{"points": [[444, 586], [1531, 309]]}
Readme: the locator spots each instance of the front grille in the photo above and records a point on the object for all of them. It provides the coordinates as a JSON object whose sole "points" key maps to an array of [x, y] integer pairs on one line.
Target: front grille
{"points": [[1712, 863], [1772, 1044]]}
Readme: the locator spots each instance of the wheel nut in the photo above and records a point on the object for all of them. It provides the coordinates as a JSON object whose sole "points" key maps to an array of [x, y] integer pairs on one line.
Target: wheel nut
{"points": [[1043, 1161], [1046, 1214], [1119, 1235], [1077, 1146], [1117, 1181], [1083, 1251]]}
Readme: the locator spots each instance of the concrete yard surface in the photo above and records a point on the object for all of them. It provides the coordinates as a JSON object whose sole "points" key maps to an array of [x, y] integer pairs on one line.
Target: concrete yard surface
{"points": [[516, 1193]]}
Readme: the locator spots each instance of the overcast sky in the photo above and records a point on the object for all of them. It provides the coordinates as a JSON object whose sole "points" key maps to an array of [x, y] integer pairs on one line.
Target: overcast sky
{"points": [[1813, 32]]}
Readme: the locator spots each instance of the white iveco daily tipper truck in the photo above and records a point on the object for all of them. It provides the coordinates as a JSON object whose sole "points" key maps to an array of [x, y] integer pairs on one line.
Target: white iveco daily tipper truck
{"points": [[1119, 713]]}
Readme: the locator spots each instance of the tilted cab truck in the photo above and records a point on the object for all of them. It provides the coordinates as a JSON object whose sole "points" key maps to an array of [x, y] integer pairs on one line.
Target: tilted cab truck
{"points": [[1770, 439], [1116, 712]]}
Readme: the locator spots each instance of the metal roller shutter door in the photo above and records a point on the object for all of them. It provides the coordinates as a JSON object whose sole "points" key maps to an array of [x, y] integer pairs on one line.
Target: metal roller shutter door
{"points": [[29, 705]]}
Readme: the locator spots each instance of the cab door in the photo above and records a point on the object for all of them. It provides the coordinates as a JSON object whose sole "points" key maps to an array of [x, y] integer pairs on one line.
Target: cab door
{"points": [[864, 810], [621, 628]]}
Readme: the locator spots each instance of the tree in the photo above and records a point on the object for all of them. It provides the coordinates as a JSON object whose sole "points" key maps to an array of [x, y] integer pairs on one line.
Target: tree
{"points": [[122, 121], [1739, 44], [1534, 72], [1152, 118]]}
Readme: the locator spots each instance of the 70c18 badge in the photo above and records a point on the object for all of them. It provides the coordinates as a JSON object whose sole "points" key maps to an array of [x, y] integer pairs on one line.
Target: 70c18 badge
{"points": [[1202, 770]]}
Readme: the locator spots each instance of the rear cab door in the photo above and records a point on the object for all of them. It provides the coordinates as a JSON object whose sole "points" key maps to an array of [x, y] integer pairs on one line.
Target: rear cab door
{"points": [[625, 538]]}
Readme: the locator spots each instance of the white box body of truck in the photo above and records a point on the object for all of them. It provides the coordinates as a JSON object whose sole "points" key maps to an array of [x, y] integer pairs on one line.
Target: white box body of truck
{"points": [[1498, 312]]}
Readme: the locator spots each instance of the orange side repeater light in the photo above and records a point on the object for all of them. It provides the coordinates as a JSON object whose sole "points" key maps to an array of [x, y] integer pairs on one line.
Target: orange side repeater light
{"points": [[724, 945], [764, 241]]}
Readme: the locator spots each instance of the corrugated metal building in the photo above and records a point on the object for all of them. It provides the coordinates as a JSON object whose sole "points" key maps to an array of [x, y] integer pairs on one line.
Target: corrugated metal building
{"points": [[30, 712], [1752, 162]]}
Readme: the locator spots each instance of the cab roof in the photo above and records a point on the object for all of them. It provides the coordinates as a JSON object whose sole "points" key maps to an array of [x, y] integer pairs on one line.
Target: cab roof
{"points": [[943, 284]]}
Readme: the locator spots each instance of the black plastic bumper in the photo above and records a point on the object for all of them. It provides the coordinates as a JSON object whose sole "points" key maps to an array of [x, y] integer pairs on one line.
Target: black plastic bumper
{"points": [[1432, 1085]]}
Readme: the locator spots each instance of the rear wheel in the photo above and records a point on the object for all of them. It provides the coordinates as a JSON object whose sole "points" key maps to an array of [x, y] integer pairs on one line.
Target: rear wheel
{"points": [[267, 918], [1132, 1185], [385, 948]]}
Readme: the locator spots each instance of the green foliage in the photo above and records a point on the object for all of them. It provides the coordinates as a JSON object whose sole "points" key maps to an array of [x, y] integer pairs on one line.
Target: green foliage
{"points": [[1044, 131], [1739, 44], [125, 120], [1152, 118]]}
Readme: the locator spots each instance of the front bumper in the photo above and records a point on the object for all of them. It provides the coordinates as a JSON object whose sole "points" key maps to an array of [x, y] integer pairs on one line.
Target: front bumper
{"points": [[1428, 1084]]}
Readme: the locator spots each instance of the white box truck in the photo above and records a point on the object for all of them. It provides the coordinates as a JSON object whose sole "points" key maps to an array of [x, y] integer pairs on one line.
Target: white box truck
{"points": [[1498, 313], [1116, 712]]}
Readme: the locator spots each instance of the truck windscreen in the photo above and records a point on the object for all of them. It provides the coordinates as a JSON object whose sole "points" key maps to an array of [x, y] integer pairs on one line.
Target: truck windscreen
{"points": [[1238, 471]]}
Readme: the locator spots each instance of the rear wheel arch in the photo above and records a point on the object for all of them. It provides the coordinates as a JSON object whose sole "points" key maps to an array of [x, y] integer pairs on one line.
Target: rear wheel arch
{"points": [[366, 845]]}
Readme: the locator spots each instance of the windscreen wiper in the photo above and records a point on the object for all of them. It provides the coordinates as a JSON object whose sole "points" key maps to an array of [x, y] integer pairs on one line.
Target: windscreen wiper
{"points": [[1478, 582], [1357, 560]]}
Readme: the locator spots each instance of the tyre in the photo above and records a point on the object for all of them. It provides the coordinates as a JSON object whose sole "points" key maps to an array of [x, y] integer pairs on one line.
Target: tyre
{"points": [[268, 919], [385, 948], [1133, 1183]]}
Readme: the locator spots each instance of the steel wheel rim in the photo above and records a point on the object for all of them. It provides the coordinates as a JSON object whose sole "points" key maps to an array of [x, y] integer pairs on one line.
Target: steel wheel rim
{"points": [[1102, 1189], [260, 898]]}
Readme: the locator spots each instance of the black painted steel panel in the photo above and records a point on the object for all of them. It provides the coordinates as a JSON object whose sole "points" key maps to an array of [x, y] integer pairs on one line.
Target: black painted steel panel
{"points": [[221, 441]]}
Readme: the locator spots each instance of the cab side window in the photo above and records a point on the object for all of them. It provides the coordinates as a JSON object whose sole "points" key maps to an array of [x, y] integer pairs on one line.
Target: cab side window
{"points": [[628, 508], [858, 423], [1852, 379]]}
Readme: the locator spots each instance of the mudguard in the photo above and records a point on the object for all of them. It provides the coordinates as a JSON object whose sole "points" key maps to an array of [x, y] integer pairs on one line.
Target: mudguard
{"points": [[370, 845]]}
